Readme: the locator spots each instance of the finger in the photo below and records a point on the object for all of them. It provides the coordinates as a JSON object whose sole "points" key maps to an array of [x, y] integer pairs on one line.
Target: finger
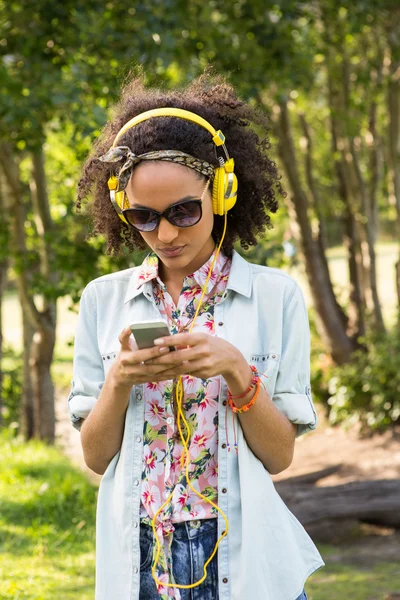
{"points": [[198, 368], [150, 353], [179, 356], [132, 343], [156, 372], [123, 338], [180, 339], [164, 375]]}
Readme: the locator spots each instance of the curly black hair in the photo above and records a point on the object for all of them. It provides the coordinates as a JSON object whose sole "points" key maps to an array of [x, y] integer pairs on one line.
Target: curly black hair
{"points": [[211, 97]]}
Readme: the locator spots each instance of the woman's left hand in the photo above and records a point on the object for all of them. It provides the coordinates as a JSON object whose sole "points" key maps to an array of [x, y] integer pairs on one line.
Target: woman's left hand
{"points": [[199, 354]]}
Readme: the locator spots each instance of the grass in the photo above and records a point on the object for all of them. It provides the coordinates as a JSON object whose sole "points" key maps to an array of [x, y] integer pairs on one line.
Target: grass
{"points": [[47, 524], [47, 534], [337, 581]]}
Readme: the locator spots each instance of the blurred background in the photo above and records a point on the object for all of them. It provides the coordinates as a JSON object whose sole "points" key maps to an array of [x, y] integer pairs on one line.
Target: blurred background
{"points": [[327, 74]]}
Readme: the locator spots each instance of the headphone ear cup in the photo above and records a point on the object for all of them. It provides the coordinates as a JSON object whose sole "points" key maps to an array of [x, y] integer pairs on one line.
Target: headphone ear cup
{"points": [[218, 191], [120, 202], [231, 188], [224, 191]]}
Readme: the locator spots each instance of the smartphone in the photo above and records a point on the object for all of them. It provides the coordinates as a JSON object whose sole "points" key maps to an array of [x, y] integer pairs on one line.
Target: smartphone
{"points": [[146, 332]]}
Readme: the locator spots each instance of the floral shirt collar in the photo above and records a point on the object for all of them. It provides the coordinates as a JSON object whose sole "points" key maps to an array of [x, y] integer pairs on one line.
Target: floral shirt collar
{"points": [[149, 272]]}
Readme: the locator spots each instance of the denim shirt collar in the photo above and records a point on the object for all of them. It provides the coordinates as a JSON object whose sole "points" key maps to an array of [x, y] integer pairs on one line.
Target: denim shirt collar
{"points": [[239, 280]]}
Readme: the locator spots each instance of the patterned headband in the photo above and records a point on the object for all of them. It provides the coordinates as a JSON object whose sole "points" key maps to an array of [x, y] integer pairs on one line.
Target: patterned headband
{"points": [[176, 156]]}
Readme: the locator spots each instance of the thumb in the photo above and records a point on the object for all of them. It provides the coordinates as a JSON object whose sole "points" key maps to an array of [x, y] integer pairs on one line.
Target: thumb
{"points": [[127, 340]]}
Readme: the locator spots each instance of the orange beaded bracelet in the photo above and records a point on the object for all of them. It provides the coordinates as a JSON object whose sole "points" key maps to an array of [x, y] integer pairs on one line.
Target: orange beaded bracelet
{"points": [[247, 406]]}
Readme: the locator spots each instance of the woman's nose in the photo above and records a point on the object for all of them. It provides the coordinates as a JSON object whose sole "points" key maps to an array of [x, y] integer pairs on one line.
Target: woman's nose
{"points": [[166, 231]]}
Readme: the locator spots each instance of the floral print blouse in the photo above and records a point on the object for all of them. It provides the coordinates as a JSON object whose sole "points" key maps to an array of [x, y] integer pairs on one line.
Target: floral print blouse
{"points": [[162, 473]]}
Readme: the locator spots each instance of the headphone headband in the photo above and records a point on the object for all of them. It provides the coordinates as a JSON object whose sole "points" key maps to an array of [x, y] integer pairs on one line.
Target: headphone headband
{"points": [[217, 136]]}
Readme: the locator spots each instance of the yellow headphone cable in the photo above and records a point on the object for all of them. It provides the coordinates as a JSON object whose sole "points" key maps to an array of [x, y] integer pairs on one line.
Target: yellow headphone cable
{"points": [[185, 458]]}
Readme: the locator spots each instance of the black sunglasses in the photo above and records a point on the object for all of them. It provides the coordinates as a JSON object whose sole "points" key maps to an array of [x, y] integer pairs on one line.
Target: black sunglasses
{"points": [[182, 214]]}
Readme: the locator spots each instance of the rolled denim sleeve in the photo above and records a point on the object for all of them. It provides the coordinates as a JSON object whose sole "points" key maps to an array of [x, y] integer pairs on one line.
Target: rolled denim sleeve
{"points": [[88, 371], [292, 394]]}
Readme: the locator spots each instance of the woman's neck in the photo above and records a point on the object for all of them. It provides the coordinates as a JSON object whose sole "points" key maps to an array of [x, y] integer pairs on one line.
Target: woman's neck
{"points": [[174, 277]]}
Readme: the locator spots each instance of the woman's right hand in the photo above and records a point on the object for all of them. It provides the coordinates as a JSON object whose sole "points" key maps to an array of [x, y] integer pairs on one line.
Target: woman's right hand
{"points": [[129, 367]]}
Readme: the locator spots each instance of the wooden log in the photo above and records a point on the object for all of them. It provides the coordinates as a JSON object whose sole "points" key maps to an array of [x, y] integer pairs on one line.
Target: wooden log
{"points": [[376, 501], [309, 478]]}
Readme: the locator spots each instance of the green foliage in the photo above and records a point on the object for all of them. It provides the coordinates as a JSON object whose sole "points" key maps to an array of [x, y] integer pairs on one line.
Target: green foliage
{"points": [[367, 389], [267, 252], [11, 391], [47, 523]]}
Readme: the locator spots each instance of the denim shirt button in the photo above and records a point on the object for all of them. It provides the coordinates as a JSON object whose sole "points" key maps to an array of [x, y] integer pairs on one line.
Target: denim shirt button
{"points": [[136, 482], [136, 524], [138, 439], [135, 570], [225, 580], [224, 490]]}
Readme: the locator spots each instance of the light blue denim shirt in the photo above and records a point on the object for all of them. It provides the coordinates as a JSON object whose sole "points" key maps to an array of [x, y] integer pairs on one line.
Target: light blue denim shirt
{"points": [[267, 555]]}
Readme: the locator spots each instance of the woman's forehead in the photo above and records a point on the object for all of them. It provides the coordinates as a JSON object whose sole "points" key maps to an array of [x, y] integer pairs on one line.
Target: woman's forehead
{"points": [[165, 181]]}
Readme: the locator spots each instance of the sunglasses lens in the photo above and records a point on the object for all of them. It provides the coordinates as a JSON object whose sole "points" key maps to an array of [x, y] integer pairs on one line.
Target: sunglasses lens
{"points": [[142, 219], [185, 214]]}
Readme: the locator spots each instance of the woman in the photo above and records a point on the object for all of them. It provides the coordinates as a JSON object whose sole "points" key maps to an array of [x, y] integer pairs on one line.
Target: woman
{"points": [[188, 488]]}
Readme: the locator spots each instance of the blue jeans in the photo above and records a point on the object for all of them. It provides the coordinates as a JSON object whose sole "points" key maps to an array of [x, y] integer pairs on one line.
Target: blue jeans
{"points": [[193, 543]]}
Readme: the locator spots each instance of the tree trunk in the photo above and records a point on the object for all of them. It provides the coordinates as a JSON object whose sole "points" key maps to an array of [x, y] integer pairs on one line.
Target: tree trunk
{"points": [[375, 502], [16, 208], [394, 127], [322, 238], [375, 168], [3, 281], [397, 275], [352, 243], [44, 339], [331, 314], [370, 256], [43, 322], [40, 360], [338, 93], [27, 428], [2, 288], [351, 239], [17, 247]]}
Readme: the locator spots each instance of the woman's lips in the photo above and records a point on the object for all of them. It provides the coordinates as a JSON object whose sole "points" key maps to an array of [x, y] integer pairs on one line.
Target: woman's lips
{"points": [[169, 252]]}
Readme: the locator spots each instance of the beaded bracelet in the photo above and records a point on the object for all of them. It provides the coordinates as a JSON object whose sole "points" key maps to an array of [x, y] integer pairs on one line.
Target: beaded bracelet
{"points": [[254, 380], [247, 406]]}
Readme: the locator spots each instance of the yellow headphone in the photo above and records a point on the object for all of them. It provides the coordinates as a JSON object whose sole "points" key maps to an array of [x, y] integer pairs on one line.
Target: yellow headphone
{"points": [[224, 191]]}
